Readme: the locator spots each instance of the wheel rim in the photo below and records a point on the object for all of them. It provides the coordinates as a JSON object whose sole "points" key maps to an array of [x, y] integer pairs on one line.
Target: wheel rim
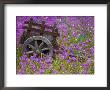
{"points": [[38, 45]]}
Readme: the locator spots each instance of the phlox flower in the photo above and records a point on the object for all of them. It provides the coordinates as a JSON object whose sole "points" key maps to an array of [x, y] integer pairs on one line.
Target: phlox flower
{"points": [[24, 57], [48, 60]]}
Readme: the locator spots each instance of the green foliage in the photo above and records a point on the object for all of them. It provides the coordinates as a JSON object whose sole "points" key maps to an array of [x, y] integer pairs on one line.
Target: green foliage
{"points": [[73, 40], [69, 33], [77, 68], [76, 52], [36, 64], [81, 38], [69, 67], [17, 62], [88, 34], [28, 70], [91, 44], [18, 66], [91, 68], [56, 64], [19, 52], [47, 71]]}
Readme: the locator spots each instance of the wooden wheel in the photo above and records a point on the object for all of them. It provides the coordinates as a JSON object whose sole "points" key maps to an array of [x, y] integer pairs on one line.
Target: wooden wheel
{"points": [[38, 45]]}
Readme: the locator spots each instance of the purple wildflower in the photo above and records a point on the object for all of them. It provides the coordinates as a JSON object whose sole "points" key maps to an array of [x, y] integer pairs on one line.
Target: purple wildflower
{"points": [[74, 59], [23, 57], [61, 56], [48, 60], [32, 58], [92, 49], [38, 60], [41, 71], [54, 72], [68, 61], [32, 66]]}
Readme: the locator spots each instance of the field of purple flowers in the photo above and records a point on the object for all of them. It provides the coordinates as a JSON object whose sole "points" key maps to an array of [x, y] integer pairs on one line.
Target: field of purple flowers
{"points": [[76, 47]]}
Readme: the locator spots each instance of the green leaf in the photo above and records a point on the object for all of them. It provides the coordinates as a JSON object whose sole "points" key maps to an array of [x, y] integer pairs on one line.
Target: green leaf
{"points": [[47, 71], [28, 70], [75, 52], [91, 68], [36, 64], [18, 66], [73, 40], [81, 38], [19, 52], [17, 61], [56, 64]]}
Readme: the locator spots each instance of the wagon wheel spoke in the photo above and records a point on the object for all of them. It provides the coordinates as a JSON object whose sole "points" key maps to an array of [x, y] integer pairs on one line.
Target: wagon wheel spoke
{"points": [[44, 55], [41, 45], [29, 52], [31, 46], [45, 49], [36, 44]]}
